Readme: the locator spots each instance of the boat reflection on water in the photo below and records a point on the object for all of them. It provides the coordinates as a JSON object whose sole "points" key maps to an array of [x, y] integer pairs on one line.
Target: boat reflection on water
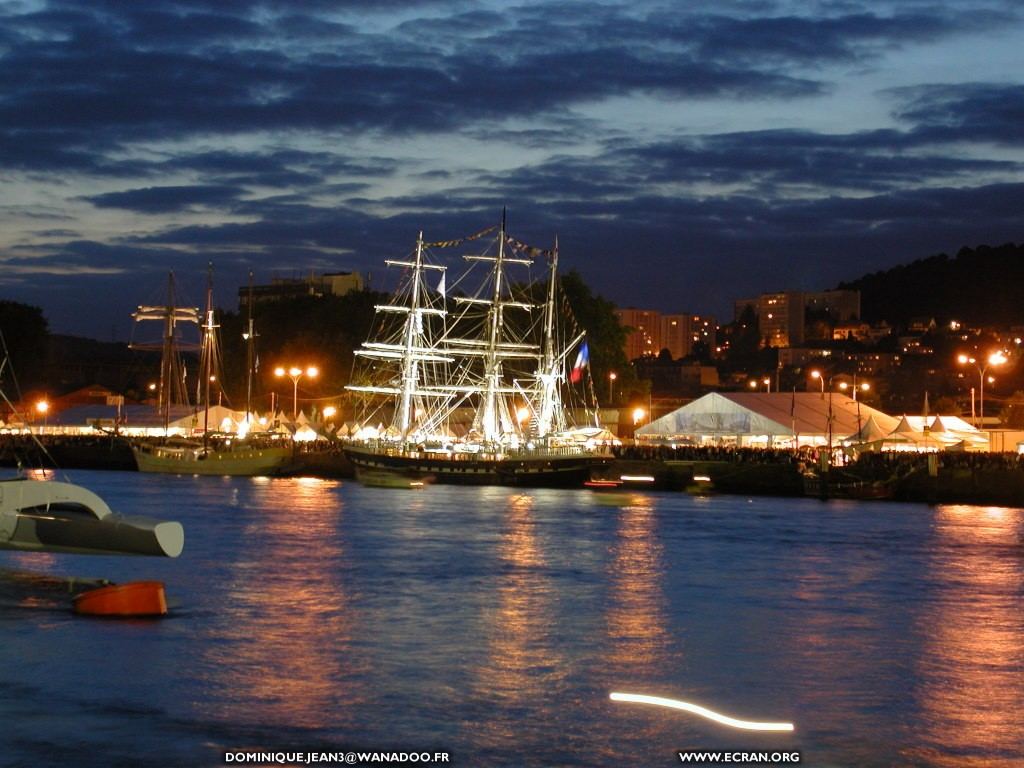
{"points": [[523, 662], [638, 639], [284, 648], [970, 691], [640, 651]]}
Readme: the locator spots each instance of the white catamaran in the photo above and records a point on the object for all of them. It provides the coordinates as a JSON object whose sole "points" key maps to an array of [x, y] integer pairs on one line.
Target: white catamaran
{"points": [[474, 387]]}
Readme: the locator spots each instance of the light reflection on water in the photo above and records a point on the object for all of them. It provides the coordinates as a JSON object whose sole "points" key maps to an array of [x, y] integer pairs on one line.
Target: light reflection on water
{"points": [[281, 651], [637, 632], [970, 686], [493, 623]]}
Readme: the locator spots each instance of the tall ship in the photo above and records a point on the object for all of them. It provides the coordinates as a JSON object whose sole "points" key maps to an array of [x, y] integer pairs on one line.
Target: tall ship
{"points": [[215, 454], [474, 377]]}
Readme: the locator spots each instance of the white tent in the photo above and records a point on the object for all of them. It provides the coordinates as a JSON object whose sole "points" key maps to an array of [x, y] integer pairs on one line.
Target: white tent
{"points": [[766, 418]]}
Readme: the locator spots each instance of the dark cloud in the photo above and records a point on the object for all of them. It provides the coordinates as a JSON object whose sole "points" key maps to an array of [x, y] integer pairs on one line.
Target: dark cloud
{"points": [[260, 117], [987, 112], [90, 79], [850, 37], [168, 199]]}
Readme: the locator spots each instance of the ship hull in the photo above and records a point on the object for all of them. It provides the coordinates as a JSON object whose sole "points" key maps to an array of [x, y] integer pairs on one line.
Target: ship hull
{"points": [[247, 462], [527, 470]]}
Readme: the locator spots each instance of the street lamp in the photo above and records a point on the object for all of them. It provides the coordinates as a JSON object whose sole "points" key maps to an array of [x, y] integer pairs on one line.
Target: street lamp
{"points": [[996, 359], [295, 373], [611, 382], [638, 415], [864, 387], [817, 375], [43, 408]]}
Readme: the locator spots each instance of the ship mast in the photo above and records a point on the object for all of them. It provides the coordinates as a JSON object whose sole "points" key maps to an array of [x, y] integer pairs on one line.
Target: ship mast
{"points": [[209, 341], [167, 356], [250, 356], [492, 367], [409, 349], [548, 374], [410, 367], [171, 386]]}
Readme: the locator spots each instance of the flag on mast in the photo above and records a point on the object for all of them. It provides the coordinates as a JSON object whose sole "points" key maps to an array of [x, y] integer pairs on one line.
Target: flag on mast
{"points": [[582, 361]]}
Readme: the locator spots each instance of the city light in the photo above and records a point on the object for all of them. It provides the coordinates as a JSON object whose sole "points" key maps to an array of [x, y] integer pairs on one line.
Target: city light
{"points": [[295, 373], [42, 407], [855, 387], [330, 411], [638, 415], [996, 358]]}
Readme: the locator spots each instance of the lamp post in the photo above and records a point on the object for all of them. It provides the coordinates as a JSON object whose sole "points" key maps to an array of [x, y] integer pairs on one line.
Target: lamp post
{"points": [[611, 383], [996, 358], [821, 378], [43, 409], [817, 375], [295, 373], [864, 387]]}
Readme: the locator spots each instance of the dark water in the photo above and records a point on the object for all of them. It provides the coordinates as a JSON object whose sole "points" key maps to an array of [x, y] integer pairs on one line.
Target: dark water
{"points": [[493, 624]]}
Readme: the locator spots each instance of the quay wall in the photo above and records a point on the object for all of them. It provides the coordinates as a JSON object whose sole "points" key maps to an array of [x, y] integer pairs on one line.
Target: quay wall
{"points": [[973, 478]]}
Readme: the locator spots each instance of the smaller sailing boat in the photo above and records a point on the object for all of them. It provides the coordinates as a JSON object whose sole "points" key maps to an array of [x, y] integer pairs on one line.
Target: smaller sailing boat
{"points": [[215, 455]]}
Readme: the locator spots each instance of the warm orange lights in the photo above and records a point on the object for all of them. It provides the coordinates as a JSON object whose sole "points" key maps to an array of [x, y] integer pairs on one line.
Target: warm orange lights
{"points": [[295, 373]]}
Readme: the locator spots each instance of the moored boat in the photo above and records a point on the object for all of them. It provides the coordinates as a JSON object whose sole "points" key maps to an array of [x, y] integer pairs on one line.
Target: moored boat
{"points": [[240, 460], [53, 516], [475, 388], [213, 455]]}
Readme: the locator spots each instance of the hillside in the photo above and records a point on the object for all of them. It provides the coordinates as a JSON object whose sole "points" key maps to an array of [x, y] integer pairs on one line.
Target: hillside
{"points": [[982, 285]]}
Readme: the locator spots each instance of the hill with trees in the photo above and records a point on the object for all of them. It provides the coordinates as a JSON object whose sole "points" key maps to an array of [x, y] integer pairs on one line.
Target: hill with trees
{"points": [[982, 285]]}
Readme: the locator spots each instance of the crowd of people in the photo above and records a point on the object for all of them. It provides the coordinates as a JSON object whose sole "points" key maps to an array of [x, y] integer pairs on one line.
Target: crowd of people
{"points": [[888, 462], [729, 453]]}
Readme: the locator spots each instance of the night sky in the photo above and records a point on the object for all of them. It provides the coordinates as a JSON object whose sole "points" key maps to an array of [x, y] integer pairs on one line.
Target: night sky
{"points": [[685, 154]]}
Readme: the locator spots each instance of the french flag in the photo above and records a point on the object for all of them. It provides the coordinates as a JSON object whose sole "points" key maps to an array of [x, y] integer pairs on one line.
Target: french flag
{"points": [[582, 361]]}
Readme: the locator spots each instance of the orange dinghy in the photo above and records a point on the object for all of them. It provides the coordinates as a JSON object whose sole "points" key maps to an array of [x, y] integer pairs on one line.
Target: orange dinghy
{"points": [[136, 598]]}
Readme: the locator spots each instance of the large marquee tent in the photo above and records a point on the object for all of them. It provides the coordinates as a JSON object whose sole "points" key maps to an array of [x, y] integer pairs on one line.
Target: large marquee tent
{"points": [[778, 419]]}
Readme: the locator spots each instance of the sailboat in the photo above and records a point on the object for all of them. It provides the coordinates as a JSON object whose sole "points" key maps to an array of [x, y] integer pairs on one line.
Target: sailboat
{"points": [[472, 386], [213, 456]]}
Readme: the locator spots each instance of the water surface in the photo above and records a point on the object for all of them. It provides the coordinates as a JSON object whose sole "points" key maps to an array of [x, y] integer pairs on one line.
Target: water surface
{"points": [[493, 623]]}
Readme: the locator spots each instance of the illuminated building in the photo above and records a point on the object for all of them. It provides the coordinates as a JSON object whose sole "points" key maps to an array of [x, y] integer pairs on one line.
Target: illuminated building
{"points": [[653, 331], [788, 318], [328, 284]]}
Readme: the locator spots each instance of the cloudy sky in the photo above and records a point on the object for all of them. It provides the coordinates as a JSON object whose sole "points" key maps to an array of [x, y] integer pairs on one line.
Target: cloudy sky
{"points": [[684, 153]]}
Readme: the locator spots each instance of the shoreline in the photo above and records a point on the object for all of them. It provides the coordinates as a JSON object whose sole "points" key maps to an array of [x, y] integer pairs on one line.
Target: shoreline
{"points": [[956, 477]]}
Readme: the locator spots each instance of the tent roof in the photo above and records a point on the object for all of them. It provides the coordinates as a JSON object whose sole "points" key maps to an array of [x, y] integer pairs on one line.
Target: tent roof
{"points": [[869, 433], [767, 413]]}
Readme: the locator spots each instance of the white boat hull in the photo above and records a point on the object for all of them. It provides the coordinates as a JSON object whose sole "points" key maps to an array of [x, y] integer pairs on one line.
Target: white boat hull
{"points": [[51, 516]]}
